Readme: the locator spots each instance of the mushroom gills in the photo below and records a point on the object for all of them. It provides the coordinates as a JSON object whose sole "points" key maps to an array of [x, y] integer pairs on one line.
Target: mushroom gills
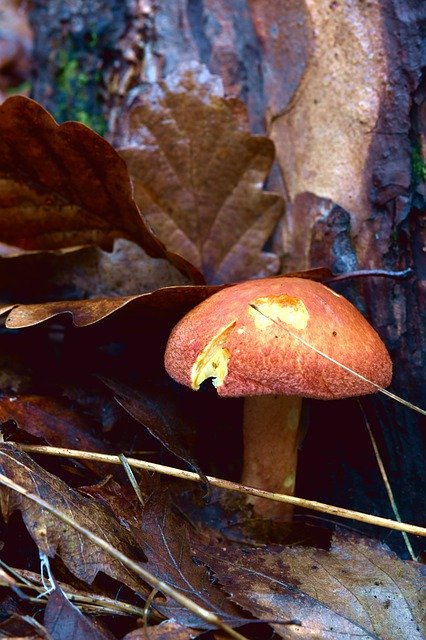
{"points": [[212, 361]]}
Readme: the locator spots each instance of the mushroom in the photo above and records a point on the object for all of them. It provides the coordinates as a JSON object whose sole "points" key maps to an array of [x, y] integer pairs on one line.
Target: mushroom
{"points": [[253, 340]]}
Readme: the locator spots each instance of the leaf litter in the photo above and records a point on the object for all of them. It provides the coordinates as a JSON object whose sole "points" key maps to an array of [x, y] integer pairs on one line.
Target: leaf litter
{"points": [[81, 556], [357, 589]]}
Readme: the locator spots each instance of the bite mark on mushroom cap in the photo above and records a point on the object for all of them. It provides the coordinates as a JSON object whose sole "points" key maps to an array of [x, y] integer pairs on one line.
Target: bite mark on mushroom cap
{"points": [[270, 360], [212, 362]]}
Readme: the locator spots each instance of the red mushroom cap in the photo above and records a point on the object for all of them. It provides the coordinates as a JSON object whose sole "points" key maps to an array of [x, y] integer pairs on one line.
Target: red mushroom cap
{"points": [[246, 338]]}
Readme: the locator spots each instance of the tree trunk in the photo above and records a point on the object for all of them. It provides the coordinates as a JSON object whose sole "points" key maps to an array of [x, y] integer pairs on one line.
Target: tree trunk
{"points": [[338, 86]]}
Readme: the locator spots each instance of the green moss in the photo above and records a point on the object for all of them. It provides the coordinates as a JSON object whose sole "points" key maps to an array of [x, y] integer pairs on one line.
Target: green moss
{"points": [[78, 92], [418, 165]]}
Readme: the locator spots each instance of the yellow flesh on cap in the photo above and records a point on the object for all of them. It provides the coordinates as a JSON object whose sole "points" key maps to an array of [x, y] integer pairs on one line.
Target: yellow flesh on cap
{"points": [[212, 362], [283, 308]]}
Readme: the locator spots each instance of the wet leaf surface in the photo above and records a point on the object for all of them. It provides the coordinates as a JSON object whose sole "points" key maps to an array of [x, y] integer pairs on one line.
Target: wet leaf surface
{"points": [[198, 176], [167, 546], [64, 621], [156, 409], [359, 588], [83, 558]]}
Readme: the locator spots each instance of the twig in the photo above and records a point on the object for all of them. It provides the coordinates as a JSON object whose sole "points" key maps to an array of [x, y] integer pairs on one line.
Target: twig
{"points": [[208, 616], [227, 484], [363, 273], [387, 483]]}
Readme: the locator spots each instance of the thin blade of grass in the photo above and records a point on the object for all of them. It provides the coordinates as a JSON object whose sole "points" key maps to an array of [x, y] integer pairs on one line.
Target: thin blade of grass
{"points": [[387, 483]]}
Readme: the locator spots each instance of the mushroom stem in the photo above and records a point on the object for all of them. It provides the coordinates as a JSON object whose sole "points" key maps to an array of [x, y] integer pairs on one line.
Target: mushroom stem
{"points": [[271, 431]]}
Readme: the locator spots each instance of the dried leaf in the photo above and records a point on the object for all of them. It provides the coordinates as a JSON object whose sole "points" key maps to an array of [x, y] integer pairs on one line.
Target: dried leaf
{"points": [[65, 622], [83, 273], [174, 301], [19, 627], [170, 559], [52, 420], [198, 176], [158, 411], [82, 557], [63, 185], [358, 589], [168, 630]]}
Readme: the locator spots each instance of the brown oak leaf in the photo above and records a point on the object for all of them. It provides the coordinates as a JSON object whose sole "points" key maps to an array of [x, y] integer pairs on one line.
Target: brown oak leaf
{"points": [[357, 589], [63, 185], [198, 176]]}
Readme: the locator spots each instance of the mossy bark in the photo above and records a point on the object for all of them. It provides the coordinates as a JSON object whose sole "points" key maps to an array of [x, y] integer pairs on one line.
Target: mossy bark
{"points": [[87, 56]]}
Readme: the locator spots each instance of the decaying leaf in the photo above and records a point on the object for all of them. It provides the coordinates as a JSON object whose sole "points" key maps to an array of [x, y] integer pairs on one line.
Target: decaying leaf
{"points": [[357, 589], [168, 630], [170, 559], [63, 185], [198, 176], [82, 557], [171, 302], [19, 627], [84, 273], [175, 301], [64, 621], [51, 419], [155, 408]]}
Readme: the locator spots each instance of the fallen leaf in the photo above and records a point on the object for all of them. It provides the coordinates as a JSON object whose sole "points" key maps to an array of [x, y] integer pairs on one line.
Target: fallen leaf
{"points": [[156, 409], [357, 589], [84, 273], [170, 559], [198, 176], [175, 301], [65, 622], [18, 627], [63, 185], [81, 556], [51, 419], [168, 630]]}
